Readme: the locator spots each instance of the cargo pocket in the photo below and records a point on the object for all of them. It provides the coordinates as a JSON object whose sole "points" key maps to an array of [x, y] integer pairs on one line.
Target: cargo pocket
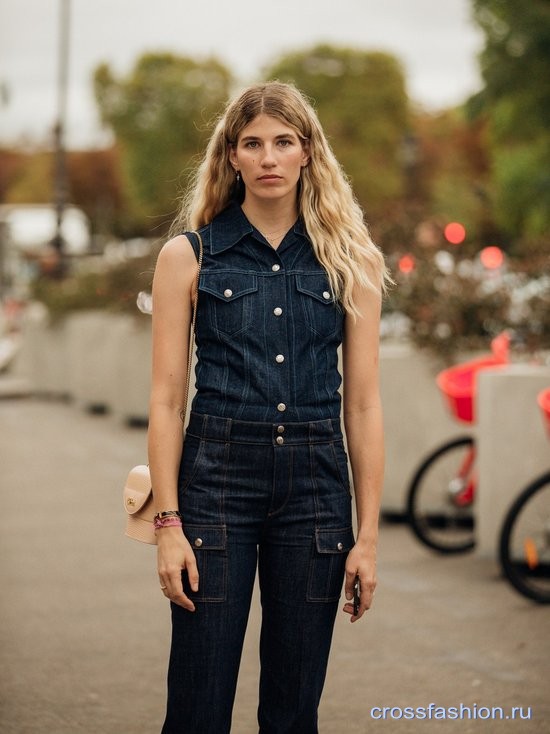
{"points": [[327, 564], [209, 544]]}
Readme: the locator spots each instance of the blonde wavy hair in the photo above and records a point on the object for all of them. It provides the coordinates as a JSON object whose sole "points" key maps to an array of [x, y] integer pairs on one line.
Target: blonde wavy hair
{"points": [[333, 219]]}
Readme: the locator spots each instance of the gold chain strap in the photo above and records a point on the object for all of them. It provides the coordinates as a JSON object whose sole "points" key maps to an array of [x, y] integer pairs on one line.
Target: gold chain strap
{"points": [[192, 330]]}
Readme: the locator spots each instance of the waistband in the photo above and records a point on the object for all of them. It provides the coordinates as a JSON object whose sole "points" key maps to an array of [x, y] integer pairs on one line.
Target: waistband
{"points": [[216, 428]]}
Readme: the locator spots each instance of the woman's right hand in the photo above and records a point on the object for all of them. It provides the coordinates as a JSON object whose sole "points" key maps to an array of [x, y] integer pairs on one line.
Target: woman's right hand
{"points": [[174, 555]]}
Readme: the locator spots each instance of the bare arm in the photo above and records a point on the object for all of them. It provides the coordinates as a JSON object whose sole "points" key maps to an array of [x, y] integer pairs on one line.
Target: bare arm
{"points": [[364, 434], [172, 310]]}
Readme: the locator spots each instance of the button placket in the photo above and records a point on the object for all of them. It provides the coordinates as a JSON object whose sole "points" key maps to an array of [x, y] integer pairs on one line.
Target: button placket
{"points": [[280, 335]]}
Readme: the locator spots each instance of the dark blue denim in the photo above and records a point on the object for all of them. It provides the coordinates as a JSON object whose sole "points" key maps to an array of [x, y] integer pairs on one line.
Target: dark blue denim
{"points": [[274, 496], [268, 327]]}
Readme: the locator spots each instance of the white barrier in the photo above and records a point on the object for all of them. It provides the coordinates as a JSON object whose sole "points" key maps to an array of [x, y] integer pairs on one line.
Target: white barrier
{"points": [[416, 420], [512, 445]]}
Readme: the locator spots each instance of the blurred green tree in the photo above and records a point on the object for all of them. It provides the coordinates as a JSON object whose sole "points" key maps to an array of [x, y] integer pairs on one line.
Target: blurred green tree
{"points": [[160, 114], [362, 103], [515, 65]]}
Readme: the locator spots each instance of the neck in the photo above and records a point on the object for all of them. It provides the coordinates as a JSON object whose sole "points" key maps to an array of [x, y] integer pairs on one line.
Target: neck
{"points": [[271, 217]]}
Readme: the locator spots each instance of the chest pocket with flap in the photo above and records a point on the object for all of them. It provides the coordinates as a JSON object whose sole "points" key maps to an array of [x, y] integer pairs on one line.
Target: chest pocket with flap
{"points": [[322, 313], [230, 300]]}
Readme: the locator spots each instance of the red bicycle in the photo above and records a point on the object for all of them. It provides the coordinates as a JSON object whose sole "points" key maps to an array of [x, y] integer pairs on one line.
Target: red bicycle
{"points": [[525, 535], [442, 491]]}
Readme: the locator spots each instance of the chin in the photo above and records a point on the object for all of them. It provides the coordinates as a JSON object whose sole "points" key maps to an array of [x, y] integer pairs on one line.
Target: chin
{"points": [[272, 194]]}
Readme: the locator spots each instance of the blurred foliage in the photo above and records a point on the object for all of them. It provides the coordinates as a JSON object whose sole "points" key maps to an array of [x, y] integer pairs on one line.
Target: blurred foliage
{"points": [[451, 181], [94, 184], [362, 103], [458, 306], [160, 114], [485, 164], [27, 177], [114, 288], [515, 64]]}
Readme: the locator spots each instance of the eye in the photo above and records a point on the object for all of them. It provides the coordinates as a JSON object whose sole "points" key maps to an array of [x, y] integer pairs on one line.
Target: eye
{"points": [[253, 144], [285, 142]]}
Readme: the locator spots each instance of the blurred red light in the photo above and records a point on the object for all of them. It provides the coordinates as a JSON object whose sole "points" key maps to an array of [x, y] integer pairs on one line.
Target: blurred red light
{"points": [[491, 257], [455, 233], [406, 264]]}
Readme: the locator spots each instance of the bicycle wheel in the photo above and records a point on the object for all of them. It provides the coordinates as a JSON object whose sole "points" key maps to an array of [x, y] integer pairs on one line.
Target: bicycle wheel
{"points": [[525, 541], [441, 495]]}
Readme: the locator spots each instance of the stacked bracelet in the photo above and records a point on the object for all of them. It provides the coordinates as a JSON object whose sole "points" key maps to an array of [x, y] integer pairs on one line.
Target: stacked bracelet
{"points": [[167, 519], [167, 522]]}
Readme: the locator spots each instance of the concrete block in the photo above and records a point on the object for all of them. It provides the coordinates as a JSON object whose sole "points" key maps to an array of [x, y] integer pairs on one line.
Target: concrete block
{"points": [[132, 368], [93, 346], [43, 359], [513, 447], [416, 420]]}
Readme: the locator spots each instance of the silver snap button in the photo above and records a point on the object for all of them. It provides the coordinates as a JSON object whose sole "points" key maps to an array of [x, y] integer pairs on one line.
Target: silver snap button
{"points": [[280, 429], [340, 546], [275, 268], [280, 358], [326, 295], [281, 407], [198, 542], [277, 311], [228, 293], [280, 440]]}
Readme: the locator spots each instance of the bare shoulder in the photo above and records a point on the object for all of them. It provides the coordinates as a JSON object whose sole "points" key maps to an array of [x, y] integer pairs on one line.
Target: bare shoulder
{"points": [[176, 265], [177, 253]]}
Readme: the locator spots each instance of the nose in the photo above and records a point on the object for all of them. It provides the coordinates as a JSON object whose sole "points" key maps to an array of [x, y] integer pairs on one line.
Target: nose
{"points": [[268, 158]]}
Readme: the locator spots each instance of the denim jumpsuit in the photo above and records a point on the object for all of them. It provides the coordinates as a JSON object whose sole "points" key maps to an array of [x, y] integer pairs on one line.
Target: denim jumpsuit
{"points": [[263, 482]]}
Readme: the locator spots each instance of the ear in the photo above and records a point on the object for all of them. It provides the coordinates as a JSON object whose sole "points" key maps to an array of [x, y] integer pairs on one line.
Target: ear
{"points": [[305, 152], [233, 157]]}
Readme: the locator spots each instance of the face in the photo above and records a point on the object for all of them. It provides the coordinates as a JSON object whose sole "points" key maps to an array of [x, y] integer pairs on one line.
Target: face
{"points": [[269, 156]]}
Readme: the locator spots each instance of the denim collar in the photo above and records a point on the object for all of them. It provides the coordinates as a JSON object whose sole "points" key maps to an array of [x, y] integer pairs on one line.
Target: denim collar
{"points": [[231, 225]]}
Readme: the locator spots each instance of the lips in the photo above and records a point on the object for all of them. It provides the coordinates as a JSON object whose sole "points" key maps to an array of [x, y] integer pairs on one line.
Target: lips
{"points": [[269, 177]]}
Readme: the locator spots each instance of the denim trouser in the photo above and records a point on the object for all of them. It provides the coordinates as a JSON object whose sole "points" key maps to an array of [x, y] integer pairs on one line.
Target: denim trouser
{"points": [[276, 496]]}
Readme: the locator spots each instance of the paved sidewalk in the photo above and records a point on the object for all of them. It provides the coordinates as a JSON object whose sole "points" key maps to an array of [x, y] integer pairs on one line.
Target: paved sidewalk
{"points": [[84, 630]]}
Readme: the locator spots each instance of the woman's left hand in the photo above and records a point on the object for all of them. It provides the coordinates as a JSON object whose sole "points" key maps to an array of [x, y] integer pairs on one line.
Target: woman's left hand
{"points": [[361, 563]]}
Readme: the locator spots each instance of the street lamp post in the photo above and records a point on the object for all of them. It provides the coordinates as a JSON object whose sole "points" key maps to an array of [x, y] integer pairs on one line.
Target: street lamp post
{"points": [[60, 175]]}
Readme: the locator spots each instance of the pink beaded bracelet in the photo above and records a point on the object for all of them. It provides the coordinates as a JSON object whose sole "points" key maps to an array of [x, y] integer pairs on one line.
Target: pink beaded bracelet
{"points": [[167, 522]]}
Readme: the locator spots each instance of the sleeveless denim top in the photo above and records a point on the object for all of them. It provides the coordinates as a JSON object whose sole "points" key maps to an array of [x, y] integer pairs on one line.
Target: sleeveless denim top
{"points": [[267, 328]]}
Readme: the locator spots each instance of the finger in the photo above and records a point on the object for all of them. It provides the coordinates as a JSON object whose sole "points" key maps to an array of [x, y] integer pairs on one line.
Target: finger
{"points": [[193, 574], [367, 594], [176, 593], [348, 609], [173, 590], [172, 587], [183, 601], [350, 583]]}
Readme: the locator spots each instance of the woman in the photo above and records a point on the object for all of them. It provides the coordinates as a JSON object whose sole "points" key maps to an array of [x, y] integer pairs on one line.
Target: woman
{"points": [[288, 272]]}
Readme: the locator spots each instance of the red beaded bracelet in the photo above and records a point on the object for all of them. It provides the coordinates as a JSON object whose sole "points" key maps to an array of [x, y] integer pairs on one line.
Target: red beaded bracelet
{"points": [[167, 522]]}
